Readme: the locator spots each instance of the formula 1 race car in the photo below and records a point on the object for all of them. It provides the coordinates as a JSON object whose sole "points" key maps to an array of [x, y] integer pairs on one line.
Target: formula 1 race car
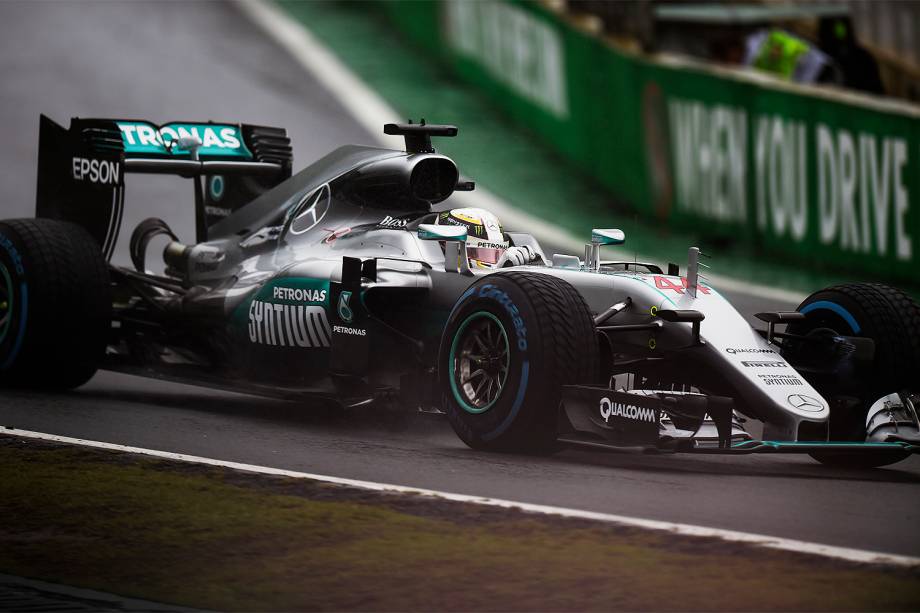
{"points": [[355, 281]]}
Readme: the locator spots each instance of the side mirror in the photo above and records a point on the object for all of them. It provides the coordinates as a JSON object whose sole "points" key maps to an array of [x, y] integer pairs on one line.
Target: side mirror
{"points": [[454, 238], [566, 261], [600, 237], [611, 236], [434, 232]]}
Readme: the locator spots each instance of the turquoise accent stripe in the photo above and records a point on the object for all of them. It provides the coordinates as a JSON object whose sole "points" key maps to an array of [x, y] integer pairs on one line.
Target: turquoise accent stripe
{"points": [[608, 237], [453, 353], [447, 235], [780, 444], [836, 308]]}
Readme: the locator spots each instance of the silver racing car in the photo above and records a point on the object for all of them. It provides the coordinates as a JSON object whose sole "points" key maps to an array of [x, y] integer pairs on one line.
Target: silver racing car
{"points": [[359, 281]]}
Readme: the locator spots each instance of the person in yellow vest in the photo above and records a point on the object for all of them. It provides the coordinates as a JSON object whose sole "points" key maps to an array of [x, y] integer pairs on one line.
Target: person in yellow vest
{"points": [[790, 57]]}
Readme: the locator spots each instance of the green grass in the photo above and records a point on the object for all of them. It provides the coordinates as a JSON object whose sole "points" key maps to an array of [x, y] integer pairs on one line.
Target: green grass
{"points": [[218, 539]]}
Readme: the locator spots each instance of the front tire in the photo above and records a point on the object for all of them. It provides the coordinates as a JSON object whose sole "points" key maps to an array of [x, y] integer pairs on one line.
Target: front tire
{"points": [[891, 319], [512, 341], [55, 304]]}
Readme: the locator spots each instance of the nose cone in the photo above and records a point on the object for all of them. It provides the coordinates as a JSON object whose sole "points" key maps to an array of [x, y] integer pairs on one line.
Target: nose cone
{"points": [[768, 386]]}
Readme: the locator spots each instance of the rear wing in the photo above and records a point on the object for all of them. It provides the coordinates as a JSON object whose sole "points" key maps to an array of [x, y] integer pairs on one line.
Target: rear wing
{"points": [[81, 169]]}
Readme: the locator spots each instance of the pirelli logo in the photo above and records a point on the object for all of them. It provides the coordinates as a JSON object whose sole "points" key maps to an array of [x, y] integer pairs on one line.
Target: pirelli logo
{"points": [[763, 364]]}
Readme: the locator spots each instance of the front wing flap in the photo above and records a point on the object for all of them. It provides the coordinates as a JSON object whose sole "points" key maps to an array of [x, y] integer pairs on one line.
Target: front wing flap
{"points": [[598, 416]]}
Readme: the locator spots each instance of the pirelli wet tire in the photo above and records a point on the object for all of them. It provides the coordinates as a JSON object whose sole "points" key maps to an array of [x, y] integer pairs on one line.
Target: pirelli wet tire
{"points": [[891, 319], [54, 304], [512, 341]]}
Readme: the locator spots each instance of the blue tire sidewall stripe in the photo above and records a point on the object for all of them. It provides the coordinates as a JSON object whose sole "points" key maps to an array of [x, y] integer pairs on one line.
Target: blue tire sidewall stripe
{"points": [[518, 401], [460, 300], [522, 385], [7, 281], [19, 268], [20, 334], [834, 308]]}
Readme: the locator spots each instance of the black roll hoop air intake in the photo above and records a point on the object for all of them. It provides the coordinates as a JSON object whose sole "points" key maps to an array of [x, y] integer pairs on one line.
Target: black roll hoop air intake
{"points": [[426, 180]]}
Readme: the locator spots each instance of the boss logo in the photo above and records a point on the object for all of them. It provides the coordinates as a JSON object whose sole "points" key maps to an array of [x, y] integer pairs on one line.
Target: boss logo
{"points": [[393, 222]]}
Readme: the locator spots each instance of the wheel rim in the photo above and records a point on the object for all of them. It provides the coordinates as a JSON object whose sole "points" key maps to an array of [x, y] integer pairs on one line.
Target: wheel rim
{"points": [[479, 361], [6, 302]]}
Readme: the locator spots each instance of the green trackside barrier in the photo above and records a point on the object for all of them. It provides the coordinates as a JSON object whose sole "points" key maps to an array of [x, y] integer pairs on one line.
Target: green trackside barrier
{"points": [[819, 174]]}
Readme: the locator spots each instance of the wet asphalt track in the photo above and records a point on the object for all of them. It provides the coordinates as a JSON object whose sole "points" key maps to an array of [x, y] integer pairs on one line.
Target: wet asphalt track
{"points": [[203, 60]]}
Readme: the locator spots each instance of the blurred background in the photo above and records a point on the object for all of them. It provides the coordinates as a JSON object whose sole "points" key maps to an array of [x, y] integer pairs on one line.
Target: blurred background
{"points": [[781, 137], [767, 131], [869, 46]]}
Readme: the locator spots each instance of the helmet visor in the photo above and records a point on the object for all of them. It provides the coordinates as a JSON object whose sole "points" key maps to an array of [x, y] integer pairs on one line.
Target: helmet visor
{"points": [[484, 254]]}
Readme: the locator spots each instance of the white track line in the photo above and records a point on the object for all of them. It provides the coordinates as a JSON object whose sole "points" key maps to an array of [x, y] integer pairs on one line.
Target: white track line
{"points": [[371, 111], [759, 540]]}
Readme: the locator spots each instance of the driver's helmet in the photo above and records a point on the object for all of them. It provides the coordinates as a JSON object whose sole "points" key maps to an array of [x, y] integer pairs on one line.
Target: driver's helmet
{"points": [[485, 242]]}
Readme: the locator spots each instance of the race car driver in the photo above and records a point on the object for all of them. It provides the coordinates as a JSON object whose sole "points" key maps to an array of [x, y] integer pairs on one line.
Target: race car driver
{"points": [[486, 246]]}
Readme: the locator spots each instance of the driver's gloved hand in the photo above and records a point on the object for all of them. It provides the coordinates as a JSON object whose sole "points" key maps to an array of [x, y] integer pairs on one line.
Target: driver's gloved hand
{"points": [[517, 256]]}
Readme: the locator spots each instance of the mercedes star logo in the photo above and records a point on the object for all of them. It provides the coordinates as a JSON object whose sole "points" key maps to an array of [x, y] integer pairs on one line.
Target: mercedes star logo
{"points": [[805, 403]]}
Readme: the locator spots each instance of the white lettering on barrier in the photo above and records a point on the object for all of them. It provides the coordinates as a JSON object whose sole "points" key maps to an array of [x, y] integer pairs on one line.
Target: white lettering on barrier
{"points": [[854, 192], [781, 181], [874, 182], [709, 149], [849, 232], [862, 197], [517, 48], [827, 184], [902, 241]]}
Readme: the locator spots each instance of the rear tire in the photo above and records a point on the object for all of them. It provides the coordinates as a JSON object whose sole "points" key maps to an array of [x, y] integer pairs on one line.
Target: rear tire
{"points": [[55, 304], [891, 319], [540, 335]]}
